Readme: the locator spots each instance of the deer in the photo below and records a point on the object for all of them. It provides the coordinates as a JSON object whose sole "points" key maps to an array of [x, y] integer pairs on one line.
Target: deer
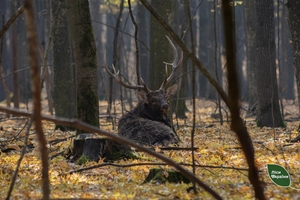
{"points": [[148, 123]]}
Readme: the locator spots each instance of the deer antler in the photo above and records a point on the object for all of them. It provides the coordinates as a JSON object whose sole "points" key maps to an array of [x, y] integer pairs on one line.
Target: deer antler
{"points": [[116, 76], [174, 64]]}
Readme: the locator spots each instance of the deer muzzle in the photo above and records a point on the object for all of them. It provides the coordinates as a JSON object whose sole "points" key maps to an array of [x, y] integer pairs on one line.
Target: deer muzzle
{"points": [[165, 108]]}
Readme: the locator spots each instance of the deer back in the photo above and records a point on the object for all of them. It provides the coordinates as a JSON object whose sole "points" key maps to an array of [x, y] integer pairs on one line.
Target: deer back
{"points": [[148, 122]]}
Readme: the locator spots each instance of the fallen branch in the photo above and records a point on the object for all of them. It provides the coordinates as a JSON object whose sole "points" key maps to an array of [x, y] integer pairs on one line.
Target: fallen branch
{"points": [[143, 164], [56, 141], [55, 155]]}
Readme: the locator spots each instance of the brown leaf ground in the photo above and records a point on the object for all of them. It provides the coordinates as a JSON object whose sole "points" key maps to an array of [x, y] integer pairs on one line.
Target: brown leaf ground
{"points": [[217, 146]]}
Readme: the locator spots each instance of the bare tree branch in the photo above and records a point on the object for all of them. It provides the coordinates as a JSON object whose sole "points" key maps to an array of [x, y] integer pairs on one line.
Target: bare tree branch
{"points": [[11, 20], [125, 33], [4, 82], [137, 67], [155, 164]]}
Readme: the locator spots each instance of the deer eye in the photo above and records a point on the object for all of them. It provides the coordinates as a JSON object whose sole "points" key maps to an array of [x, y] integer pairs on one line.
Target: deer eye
{"points": [[153, 100]]}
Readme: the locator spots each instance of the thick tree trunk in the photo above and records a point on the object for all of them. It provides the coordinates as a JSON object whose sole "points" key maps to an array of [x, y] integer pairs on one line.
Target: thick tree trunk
{"points": [[85, 55], [286, 58], [250, 23], [266, 82], [206, 48], [294, 23], [160, 50], [64, 83]]}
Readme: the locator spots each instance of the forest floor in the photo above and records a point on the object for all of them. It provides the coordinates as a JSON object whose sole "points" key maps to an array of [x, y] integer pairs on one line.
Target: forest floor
{"points": [[220, 160]]}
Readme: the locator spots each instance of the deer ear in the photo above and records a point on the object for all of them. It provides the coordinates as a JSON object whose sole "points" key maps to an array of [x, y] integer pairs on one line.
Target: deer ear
{"points": [[171, 91], [141, 96]]}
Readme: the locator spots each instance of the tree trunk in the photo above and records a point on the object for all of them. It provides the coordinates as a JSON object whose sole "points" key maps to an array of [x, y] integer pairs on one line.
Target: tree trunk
{"points": [[99, 31], [203, 47], [210, 92], [15, 58], [116, 58], [266, 82], [160, 50], [286, 58], [180, 23], [85, 55], [240, 47], [250, 23], [143, 24], [64, 84], [294, 23]]}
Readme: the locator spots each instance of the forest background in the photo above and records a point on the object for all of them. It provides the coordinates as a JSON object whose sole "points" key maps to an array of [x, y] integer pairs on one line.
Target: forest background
{"points": [[264, 51]]}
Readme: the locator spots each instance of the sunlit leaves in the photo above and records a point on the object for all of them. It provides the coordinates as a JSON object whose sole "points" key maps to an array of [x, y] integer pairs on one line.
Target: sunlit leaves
{"points": [[217, 147], [113, 6]]}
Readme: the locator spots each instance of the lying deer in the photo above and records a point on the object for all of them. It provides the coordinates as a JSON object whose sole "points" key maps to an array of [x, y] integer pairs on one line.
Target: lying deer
{"points": [[148, 123]]}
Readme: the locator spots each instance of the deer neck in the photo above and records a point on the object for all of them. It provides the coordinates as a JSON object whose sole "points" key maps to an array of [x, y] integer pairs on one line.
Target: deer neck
{"points": [[144, 111]]}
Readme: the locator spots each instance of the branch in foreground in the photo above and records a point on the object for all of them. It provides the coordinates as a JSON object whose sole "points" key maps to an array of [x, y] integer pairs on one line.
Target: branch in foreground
{"points": [[36, 93], [92, 129], [237, 124], [11, 21]]}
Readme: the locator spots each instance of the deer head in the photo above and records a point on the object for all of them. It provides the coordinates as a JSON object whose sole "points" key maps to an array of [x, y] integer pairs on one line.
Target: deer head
{"points": [[156, 100]]}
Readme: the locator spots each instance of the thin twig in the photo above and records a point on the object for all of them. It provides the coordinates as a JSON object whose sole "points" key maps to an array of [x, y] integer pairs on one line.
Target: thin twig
{"points": [[56, 141], [216, 59], [140, 41], [11, 187], [15, 137], [187, 7], [137, 53]]}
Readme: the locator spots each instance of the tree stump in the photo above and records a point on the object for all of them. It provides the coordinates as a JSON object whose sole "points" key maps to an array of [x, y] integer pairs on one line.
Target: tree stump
{"points": [[157, 175], [88, 148], [91, 148]]}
